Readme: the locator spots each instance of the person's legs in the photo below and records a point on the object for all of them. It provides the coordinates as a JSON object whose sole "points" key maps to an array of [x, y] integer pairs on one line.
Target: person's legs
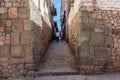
{"points": [[57, 39]]}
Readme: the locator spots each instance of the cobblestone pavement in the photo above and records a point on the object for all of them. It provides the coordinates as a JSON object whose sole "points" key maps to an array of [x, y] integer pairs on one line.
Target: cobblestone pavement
{"points": [[81, 77], [59, 58]]}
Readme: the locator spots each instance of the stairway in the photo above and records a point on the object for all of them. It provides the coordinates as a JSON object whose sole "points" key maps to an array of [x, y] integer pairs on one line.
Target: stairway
{"points": [[58, 61]]}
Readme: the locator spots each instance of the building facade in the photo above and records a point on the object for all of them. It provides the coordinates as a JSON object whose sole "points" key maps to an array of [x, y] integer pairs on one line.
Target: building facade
{"points": [[25, 32], [93, 34]]}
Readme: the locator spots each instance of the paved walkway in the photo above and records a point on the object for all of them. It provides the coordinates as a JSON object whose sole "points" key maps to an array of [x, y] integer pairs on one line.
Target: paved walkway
{"points": [[81, 77], [59, 59]]}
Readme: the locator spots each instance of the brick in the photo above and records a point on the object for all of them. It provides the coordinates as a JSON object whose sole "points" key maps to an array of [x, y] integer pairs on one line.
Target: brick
{"points": [[12, 12], [27, 37], [17, 25], [15, 38], [17, 51], [3, 10], [24, 13]]}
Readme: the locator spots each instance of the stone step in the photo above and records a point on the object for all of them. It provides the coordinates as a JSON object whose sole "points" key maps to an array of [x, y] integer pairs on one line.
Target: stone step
{"points": [[70, 77], [81, 77], [38, 74]]}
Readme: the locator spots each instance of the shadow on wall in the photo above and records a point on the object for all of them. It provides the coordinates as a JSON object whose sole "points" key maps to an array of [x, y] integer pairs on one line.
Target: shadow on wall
{"points": [[42, 40]]}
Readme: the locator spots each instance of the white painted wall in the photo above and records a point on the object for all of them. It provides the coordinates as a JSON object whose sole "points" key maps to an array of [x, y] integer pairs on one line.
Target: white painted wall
{"points": [[102, 4], [108, 4], [43, 13]]}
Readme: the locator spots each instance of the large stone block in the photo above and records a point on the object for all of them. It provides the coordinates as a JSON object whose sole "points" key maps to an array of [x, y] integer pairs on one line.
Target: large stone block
{"points": [[28, 50], [84, 37], [97, 39], [17, 25], [87, 27], [99, 28], [27, 37], [84, 55], [108, 31], [17, 51], [85, 13], [24, 12], [27, 25], [109, 42], [15, 38], [102, 52], [5, 51], [13, 12], [3, 16]]}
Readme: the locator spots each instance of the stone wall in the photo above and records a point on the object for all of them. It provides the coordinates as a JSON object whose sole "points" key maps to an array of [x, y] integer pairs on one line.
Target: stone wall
{"points": [[97, 45], [18, 38], [42, 31]]}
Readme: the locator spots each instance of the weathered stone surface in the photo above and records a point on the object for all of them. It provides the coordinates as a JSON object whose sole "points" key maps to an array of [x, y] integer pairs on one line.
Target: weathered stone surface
{"points": [[27, 25], [102, 52], [4, 60], [17, 51], [24, 13], [84, 37], [9, 4], [27, 37], [29, 66], [109, 42], [97, 39], [28, 50], [3, 16], [90, 8], [99, 28], [13, 12], [3, 10], [84, 55], [108, 31], [13, 62], [29, 59], [15, 38], [17, 25], [87, 27], [4, 51]]}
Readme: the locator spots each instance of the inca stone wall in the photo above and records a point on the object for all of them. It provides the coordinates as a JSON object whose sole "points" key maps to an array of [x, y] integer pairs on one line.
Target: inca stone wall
{"points": [[97, 49], [18, 39]]}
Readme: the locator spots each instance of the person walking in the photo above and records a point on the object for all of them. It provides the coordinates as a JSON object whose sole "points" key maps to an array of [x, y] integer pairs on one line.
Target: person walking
{"points": [[57, 36]]}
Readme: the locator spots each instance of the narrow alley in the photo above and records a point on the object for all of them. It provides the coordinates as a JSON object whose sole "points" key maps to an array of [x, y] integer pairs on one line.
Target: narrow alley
{"points": [[89, 45], [58, 60]]}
